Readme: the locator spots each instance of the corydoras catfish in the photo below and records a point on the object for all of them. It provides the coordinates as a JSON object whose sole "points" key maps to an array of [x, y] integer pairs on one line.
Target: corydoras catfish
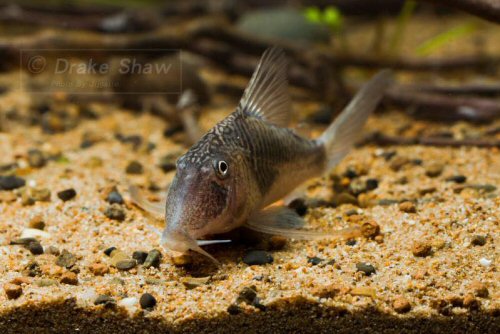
{"points": [[251, 159]]}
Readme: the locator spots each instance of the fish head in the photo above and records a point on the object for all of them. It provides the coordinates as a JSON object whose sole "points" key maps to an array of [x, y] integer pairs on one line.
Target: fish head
{"points": [[202, 198]]}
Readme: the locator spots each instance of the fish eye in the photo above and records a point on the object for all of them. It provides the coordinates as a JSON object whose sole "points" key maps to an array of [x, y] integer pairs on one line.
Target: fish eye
{"points": [[222, 168]]}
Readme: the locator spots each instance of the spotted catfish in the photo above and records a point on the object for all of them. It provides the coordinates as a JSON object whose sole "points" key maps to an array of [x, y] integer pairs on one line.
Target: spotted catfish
{"points": [[251, 159]]}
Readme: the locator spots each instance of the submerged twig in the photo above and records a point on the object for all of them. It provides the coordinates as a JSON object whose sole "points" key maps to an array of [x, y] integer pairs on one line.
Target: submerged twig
{"points": [[386, 140], [446, 107], [486, 9]]}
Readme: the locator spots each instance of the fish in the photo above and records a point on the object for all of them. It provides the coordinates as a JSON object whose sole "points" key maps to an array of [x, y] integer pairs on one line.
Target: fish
{"points": [[251, 159]]}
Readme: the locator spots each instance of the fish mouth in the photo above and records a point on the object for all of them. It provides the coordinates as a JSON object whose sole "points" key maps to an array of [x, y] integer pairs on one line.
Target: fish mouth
{"points": [[179, 241]]}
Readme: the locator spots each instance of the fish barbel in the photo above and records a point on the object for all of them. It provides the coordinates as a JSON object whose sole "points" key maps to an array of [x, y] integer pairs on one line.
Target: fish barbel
{"points": [[251, 159]]}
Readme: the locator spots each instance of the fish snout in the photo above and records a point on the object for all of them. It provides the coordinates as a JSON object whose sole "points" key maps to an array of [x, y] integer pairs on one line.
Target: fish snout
{"points": [[178, 241]]}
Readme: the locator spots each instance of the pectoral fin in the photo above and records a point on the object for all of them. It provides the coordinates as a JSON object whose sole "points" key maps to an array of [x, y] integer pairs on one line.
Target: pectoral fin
{"points": [[285, 222], [156, 209]]}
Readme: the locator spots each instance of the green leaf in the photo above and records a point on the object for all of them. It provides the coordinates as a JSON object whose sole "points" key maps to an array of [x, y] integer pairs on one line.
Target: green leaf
{"points": [[313, 14], [440, 40], [332, 17]]}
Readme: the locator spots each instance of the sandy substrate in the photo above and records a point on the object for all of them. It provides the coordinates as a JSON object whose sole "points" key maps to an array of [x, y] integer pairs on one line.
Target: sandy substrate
{"points": [[435, 265]]}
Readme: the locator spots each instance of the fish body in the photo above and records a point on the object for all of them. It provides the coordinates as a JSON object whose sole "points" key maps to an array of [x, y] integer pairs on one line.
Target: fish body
{"points": [[251, 159]]}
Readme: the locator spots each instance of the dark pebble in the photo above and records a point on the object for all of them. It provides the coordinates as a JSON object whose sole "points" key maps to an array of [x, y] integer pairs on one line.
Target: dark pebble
{"points": [[35, 248], [115, 212], [233, 309], [153, 259], [351, 242], [134, 167], [257, 257], [350, 173], [457, 179], [167, 163], [314, 260], [114, 197], [23, 241], [140, 256], [33, 269], [299, 206], [105, 300], [170, 131], [371, 184], [388, 155], [67, 194], [66, 259], [11, 182], [147, 301], [478, 240], [368, 269], [126, 264], [109, 250], [135, 140], [36, 158], [247, 295]]}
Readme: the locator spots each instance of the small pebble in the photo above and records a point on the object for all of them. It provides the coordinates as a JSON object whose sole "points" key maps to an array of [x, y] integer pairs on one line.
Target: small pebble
{"points": [[257, 257], [277, 242], [407, 207], [67, 194], [23, 241], [147, 301], [485, 262], [153, 259], [109, 250], [421, 249], [233, 309], [105, 300], [69, 278], [314, 260], [478, 240], [247, 295], [12, 291], [299, 206], [126, 264], [11, 182], [140, 256], [344, 198], [36, 158], [401, 305], [35, 248], [470, 301], [167, 162], [40, 194], [21, 280], [371, 184], [53, 250], [370, 229], [479, 289], [366, 268], [351, 242], [398, 162], [99, 269], [66, 259], [115, 212], [182, 260], [434, 169], [37, 222], [457, 179], [134, 167], [114, 197]]}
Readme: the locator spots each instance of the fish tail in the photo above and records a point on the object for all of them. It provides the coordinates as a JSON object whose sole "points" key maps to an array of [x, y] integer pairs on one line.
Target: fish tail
{"points": [[341, 135]]}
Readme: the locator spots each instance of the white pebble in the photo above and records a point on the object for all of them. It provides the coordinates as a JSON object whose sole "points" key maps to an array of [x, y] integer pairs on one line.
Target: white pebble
{"points": [[34, 233], [130, 304], [485, 262]]}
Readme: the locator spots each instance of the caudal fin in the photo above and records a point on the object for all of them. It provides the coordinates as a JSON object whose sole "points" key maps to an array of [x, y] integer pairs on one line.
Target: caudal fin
{"points": [[342, 134]]}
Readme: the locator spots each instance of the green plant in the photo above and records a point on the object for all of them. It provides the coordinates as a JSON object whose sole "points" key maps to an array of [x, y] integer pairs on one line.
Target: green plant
{"points": [[332, 18], [435, 43]]}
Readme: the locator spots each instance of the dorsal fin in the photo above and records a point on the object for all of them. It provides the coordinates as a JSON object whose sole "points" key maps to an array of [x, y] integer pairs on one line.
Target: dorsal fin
{"points": [[266, 95]]}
